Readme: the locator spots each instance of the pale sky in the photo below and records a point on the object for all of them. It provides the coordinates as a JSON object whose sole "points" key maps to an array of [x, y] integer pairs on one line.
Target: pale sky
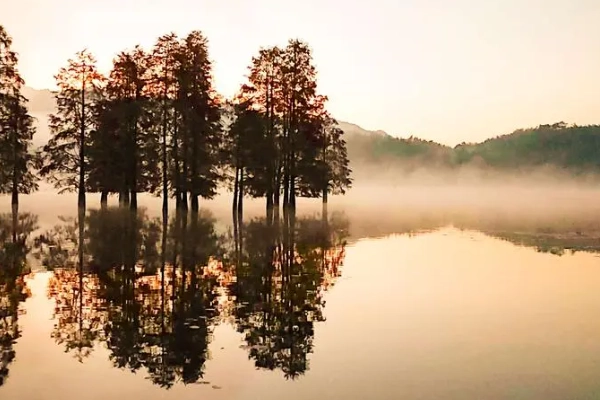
{"points": [[446, 70]]}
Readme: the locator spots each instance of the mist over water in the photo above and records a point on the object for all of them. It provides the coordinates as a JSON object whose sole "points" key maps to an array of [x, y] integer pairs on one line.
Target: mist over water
{"points": [[388, 203]]}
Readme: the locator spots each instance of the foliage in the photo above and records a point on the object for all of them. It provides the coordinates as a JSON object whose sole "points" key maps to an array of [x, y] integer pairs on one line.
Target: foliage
{"points": [[17, 160], [77, 99]]}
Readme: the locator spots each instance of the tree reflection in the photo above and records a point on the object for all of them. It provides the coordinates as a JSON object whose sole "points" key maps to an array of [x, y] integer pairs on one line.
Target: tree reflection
{"points": [[79, 313], [15, 230], [145, 288], [281, 273], [153, 290]]}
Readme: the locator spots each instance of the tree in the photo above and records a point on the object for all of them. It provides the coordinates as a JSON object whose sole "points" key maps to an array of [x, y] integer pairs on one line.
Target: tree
{"points": [[246, 144], [162, 91], [65, 156], [299, 95], [323, 162], [295, 149], [334, 157], [17, 162], [124, 149], [200, 133], [262, 93]]}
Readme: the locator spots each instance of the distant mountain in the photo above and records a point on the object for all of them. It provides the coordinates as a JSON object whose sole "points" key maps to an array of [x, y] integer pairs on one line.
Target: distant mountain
{"points": [[40, 101], [355, 130]]}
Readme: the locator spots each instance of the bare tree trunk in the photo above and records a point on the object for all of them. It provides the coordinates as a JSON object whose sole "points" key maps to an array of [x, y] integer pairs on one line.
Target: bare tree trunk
{"points": [[276, 203], [240, 209], [104, 200], [15, 174], [15, 191], [165, 188], [324, 212], [195, 204], [269, 208], [184, 200], [134, 163], [234, 206], [124, 198], [15, 222]]}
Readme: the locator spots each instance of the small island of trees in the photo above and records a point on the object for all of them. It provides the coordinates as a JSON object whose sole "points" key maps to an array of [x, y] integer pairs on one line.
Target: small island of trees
{"points": [[157, 125]]}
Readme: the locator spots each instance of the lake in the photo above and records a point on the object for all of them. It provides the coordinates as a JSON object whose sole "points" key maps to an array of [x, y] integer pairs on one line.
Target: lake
{"points": [[428, 303]]}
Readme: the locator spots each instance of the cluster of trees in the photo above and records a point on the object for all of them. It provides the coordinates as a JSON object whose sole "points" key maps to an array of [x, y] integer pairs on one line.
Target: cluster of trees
{"points": [[156, 124]]}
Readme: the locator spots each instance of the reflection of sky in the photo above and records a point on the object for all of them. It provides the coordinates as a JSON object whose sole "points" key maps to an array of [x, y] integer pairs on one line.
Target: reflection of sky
{"points": [[450, 71], [478, 317]]}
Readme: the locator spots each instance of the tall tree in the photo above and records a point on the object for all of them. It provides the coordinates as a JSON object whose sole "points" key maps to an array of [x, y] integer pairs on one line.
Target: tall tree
{"points": [[334, 157], [246, 144], [299, 94], [198, 106], [323, 163], [65, 156], [262, 93], [162, 91], [124, 150], [17, 162]]}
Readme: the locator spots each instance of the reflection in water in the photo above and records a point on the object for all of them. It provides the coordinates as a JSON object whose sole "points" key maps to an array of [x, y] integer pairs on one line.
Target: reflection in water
{"points": [[147, 289], [14, 234], [281, 273], [130, 293], [152, 291], [557, 243]]}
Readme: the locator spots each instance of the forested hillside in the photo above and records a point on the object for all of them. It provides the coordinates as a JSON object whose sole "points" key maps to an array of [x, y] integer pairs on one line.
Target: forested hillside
{"points": [[572, 147]]}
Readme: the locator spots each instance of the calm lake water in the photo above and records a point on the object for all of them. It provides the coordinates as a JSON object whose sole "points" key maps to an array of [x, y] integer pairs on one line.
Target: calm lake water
{"points": [[415, 307]]}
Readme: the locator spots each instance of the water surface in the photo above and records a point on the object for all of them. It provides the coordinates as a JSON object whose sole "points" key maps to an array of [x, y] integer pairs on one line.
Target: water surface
{"points": [[307, 309]]}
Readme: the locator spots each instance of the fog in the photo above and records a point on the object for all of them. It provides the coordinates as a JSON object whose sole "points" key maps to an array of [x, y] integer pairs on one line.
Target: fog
{"points": [[389, 202], [395, 197]]}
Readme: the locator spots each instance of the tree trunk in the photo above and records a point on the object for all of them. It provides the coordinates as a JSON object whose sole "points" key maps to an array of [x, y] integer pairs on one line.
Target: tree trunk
{"points": [[104, 200], [165, 188], [15, 174], [133, 203], [276, 203], [194, 202], [81, 197], [184, 201], [324, 212], [124, 198], [236, 234], [176, 165], [286, 191], [240, 209], [269, 208], [15, 194], [15, 222], [234, 205], [134, 155], [293, 192]]}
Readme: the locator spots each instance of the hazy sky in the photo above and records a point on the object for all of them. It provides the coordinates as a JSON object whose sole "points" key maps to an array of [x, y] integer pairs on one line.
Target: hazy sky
{"points": [[447, 70]]}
